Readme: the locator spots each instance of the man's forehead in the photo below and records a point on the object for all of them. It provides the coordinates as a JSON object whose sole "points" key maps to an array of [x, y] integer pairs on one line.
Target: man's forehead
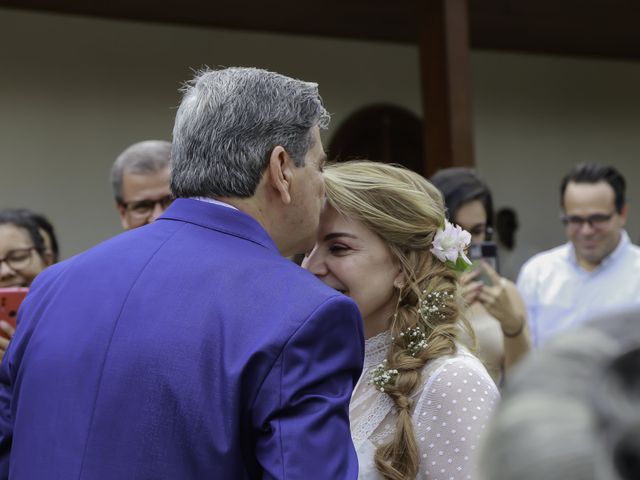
{"points": [[145, 185], [596, 196]]}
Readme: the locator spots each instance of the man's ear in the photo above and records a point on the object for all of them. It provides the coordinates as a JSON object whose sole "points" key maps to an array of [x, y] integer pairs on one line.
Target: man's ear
{"points": [[281, 173], [623, 214]]}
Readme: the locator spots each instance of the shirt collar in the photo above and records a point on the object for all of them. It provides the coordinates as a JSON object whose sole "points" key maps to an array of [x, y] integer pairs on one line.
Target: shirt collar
{"points": [[223, 218], [216, 202]]}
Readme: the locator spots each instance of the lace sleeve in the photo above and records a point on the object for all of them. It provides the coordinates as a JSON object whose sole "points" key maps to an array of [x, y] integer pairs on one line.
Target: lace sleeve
{"points": [[451, 413]]}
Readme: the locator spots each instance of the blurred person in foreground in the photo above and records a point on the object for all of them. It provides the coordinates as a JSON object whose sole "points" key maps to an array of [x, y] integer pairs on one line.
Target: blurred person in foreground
{"points": [[141, 183], [572, 410], [423, 400], [597, 268], [26, 249], [192, 348], [496, 310]]}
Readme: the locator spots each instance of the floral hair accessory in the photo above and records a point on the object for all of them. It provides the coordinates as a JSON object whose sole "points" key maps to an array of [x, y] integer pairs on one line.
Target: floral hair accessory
{"points": [[416, 340], [432, 306], [450, 244], [381, 377]]}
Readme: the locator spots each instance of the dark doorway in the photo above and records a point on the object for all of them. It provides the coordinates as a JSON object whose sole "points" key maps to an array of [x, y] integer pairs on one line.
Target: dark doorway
{"points": [[383, 133]]}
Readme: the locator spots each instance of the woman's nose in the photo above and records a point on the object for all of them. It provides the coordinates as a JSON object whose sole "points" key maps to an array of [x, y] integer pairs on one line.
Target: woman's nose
{"points": [[5, 270]]}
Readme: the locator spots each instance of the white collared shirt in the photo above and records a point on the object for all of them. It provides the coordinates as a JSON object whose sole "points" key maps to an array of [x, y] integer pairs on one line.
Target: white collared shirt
{"points": [[214, 201], [560, 294]]}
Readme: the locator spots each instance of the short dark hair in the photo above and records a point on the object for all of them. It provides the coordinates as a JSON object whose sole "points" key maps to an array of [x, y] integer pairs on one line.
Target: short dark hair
{"points": [[594, 173], [459, 186]]}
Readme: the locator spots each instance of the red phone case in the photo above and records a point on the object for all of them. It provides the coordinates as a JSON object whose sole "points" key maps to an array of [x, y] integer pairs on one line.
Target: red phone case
{"points": [[10, 300]]}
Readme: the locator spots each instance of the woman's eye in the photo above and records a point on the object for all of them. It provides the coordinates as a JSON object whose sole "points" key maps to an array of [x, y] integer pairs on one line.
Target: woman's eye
{"points": [[338, 248]]}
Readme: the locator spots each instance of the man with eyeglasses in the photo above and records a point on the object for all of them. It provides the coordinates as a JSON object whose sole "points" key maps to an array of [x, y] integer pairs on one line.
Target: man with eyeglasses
{"points": [[597, 269], [140, 181]]}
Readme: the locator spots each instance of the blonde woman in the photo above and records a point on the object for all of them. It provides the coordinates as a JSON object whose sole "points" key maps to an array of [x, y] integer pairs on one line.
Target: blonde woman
{"points": [[421, 405]]}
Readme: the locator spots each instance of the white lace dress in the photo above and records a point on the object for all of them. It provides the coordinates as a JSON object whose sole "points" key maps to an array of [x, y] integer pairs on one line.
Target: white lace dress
{"points": [[451, 410]]}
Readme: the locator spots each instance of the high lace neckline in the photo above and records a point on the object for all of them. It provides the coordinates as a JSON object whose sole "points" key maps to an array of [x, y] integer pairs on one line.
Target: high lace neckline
{"points": [[376, 348]]}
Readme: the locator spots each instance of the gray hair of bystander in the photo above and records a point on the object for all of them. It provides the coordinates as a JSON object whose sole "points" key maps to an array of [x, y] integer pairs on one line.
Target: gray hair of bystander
{"points": [[148, 156], [572, 410]]}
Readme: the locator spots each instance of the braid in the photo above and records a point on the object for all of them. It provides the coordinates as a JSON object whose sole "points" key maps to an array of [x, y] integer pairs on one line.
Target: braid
{"points": [[405, 211], [399, 459]]}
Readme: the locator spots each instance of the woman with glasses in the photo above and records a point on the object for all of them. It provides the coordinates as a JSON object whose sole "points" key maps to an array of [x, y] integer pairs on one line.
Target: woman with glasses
{"points": [[23, 255], [496, 310]]}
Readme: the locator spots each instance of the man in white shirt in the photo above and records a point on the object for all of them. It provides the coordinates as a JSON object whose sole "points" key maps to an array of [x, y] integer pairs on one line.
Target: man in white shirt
{"points": [[597, 269]]}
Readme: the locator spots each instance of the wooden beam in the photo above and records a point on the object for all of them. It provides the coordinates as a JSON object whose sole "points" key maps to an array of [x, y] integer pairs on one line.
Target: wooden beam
{"points": [[446, 85], [603, 28]]}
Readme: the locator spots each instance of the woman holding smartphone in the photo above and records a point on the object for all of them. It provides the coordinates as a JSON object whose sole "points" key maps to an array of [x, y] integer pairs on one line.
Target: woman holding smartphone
{"points": [[496, 310], [23, 255]]}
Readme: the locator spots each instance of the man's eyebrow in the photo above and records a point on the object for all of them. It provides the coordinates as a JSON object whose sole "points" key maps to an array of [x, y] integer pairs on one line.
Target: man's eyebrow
{"points": [[333, 235]]}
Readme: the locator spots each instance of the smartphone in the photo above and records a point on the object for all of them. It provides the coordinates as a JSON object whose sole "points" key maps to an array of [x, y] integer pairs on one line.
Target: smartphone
{"points": [[487, 251], [10, 300]]}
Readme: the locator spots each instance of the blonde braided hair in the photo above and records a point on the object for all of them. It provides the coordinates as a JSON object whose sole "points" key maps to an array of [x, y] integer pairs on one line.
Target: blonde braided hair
{"points": [[405, 211]]}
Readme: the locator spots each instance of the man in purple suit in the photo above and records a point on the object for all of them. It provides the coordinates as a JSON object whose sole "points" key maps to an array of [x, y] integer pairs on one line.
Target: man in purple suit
{"points": [[190, 348]]}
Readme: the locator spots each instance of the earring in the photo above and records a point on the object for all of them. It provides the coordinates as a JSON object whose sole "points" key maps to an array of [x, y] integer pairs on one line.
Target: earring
{"points": [[394, 318]]}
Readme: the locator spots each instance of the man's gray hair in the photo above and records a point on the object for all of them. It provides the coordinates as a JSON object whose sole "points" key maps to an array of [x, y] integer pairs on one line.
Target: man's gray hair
{"points": [[230, 121], [149, 156], [572, 410]]}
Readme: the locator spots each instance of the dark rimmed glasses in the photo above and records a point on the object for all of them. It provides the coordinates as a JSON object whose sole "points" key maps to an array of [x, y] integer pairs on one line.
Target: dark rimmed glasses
{"points": [[144, 208], [18, 259], [597, 220]]}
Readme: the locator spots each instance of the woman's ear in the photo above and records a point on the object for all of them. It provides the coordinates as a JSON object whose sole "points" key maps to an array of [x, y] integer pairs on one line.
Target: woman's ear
{"points": [[47, 258], [400, 281], [280, 173]]}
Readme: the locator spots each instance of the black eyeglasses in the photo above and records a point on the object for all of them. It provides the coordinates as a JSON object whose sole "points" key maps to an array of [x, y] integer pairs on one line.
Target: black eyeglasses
{"points": [[18, 259], [597, 220], [144, 208]]}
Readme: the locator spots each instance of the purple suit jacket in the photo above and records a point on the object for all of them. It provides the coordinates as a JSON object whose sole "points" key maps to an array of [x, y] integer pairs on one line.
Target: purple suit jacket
{"points": [[186, 349]]}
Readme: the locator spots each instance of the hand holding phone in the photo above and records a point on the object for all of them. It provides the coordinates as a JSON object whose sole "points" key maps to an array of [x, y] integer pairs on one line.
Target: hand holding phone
{"points": [[10, 300], [487, 253], [470, 286]]}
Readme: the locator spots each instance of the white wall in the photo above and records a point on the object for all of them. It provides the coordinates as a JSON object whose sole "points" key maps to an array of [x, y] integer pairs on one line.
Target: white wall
{"points": [[536, 117], [75, 91]]}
